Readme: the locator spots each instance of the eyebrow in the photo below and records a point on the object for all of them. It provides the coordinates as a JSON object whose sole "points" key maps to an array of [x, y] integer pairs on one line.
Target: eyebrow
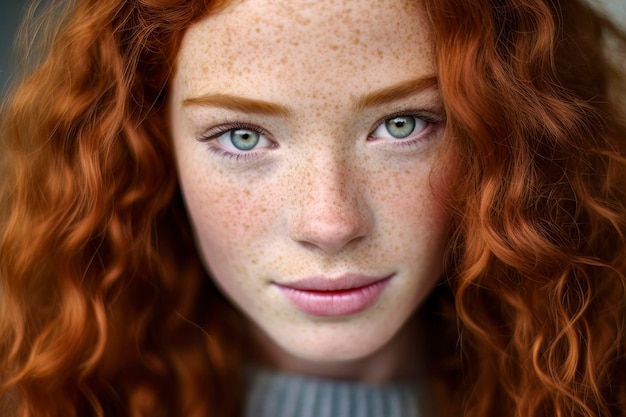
{"points": [[236, 103], [396, 92], [254, 106]]}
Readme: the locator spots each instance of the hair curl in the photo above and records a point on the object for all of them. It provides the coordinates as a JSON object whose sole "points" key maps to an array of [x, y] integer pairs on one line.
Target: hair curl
{"points": [[538, 266], [100, 287], [105, 306]]}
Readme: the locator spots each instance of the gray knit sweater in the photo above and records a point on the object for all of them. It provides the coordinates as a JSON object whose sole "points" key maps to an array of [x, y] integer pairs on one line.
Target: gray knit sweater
{"points": [[271, 394]]}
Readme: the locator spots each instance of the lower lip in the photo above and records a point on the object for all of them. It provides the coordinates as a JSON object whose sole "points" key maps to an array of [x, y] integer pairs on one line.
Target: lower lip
{"points": [[335, 303]]}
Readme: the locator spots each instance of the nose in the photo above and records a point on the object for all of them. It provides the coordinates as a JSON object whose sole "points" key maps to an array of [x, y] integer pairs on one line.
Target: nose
{"points": [[330, 213]]}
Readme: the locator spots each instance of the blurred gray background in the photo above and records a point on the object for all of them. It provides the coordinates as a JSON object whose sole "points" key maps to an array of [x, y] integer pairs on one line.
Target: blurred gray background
{"points": [[12, 12]]}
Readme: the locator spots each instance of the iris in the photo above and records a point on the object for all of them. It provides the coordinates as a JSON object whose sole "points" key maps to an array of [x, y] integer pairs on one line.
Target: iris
{"points": [[400, 127], [244, 139]]}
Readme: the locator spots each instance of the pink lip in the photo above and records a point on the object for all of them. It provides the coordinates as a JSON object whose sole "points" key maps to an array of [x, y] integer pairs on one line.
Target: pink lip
{"points": [[328, 297]]}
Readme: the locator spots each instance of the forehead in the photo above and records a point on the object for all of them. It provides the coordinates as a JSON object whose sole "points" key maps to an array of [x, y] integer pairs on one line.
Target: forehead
{"points": [[305, 47]]}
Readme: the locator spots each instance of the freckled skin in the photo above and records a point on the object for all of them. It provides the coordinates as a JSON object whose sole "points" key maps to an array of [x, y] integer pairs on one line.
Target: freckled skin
{"points": [[323, 199]]}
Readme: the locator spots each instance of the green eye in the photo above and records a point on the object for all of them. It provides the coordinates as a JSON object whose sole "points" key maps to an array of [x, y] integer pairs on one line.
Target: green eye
{"points": [[400, 127], [244, 139], [238, 139]]}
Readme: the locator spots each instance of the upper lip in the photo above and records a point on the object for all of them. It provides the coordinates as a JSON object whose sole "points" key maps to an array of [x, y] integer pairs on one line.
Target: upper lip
{"points": [[347, 281]]}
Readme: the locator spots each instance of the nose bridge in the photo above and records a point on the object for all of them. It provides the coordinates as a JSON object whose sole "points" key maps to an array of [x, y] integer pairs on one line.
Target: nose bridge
{"points": [[327, 179], [329, 211]]}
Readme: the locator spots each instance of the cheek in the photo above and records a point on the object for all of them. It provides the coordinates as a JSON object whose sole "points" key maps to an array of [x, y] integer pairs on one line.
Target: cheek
{"points": [[229, 221], [409, 209]]}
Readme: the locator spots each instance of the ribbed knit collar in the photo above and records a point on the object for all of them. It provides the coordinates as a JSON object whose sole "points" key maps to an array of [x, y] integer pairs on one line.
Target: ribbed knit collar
{"points": [[273, 394]]}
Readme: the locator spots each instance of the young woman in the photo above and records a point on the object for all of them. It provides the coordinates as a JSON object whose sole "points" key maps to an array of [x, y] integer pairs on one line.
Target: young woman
{"points": [[281, 208]]}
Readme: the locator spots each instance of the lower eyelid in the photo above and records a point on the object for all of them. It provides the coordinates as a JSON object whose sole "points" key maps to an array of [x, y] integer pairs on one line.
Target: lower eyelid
{"points": [[411, 143], [235, 157], [232, 156]]}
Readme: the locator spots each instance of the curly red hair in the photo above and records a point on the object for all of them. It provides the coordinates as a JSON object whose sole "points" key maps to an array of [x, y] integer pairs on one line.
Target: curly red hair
{"points": [[106, 309], [538, 266], [99, 275]]}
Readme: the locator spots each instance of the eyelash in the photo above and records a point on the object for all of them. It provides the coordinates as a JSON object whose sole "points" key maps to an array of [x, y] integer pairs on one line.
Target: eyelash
{"points": [[211, 137], [432, 119]]}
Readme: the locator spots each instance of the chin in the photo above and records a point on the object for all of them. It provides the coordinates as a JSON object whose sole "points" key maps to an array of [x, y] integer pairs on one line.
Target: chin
{"points": [[341, 349]]}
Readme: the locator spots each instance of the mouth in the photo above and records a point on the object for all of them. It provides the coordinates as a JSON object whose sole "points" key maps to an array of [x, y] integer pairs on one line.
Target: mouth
{"points": [[332, 297]]}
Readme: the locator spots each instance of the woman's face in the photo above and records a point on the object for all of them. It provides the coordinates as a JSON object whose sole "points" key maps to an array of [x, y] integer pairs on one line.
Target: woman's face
{"points": [[305, 133]]}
